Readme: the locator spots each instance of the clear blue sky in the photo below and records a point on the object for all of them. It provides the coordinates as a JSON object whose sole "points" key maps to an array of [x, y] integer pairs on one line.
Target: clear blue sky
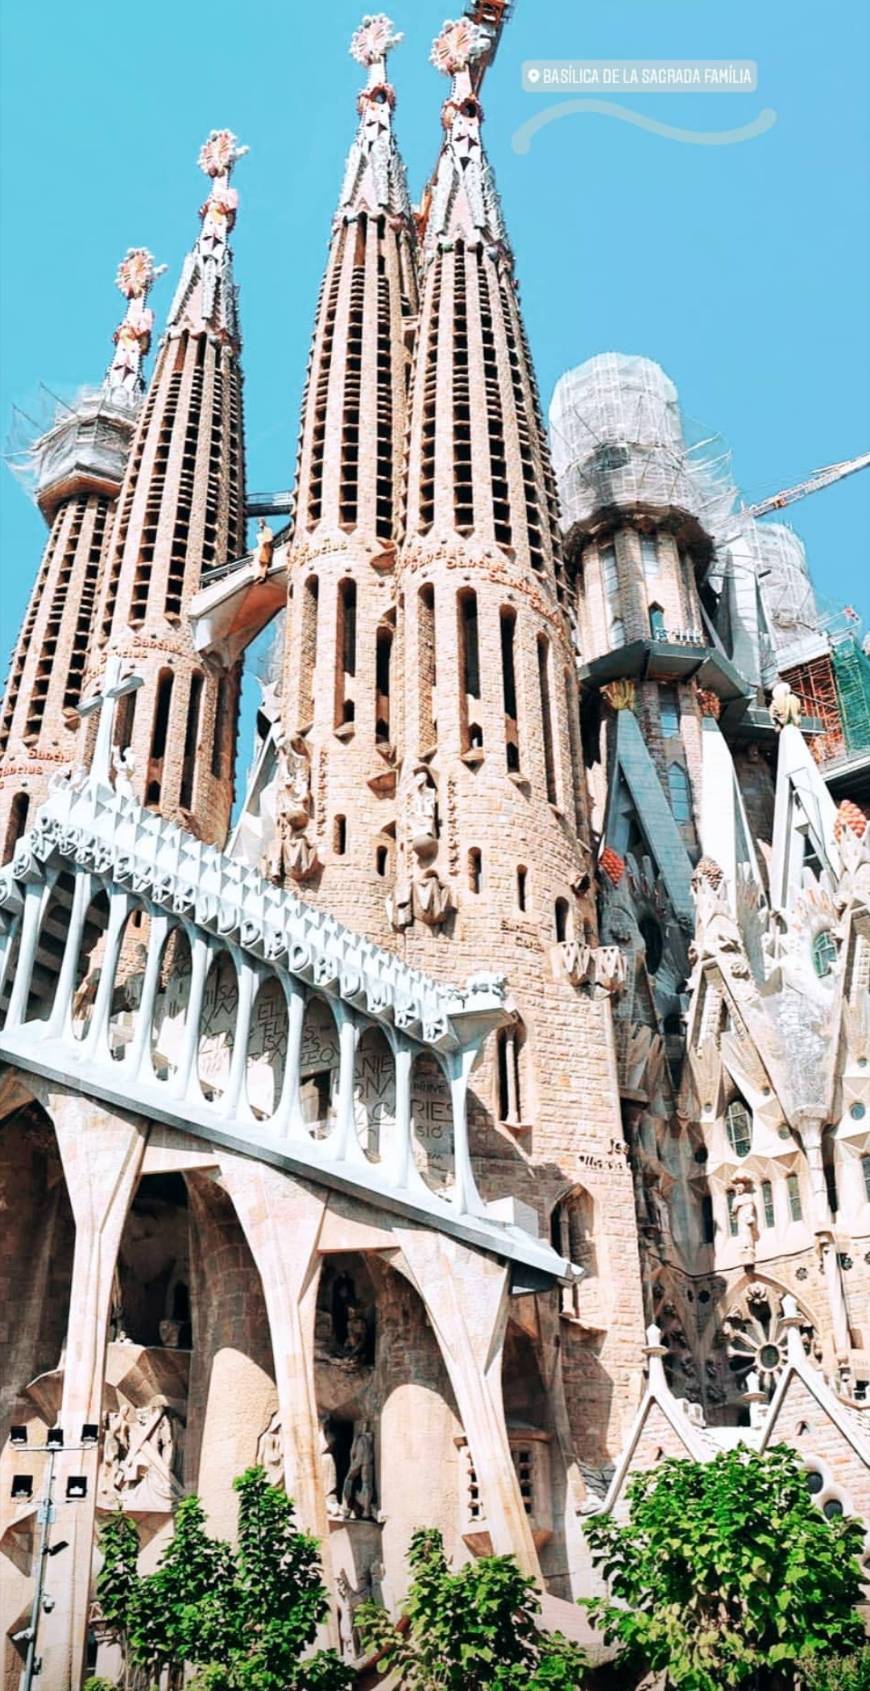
{"points": [[743, 269]]}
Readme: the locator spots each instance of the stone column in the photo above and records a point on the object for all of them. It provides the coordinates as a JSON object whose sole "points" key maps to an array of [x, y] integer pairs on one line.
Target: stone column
{"points": [[466, 1298], [102, 1157]]}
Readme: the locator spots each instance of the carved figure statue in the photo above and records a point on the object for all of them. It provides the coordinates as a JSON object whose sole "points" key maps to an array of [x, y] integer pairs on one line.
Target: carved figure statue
{"points": [[124, 767], [423, 813], [328, 1471], [170, 1334], [785, 708], [400, 905], [270, 1449], [432, 901], [745, 1212], [292, 855], [358, 1491], [357, 1332], [263, 549]]}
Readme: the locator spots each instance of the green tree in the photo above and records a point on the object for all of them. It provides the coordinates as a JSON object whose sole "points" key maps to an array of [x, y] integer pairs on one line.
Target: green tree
{"points": [[475, 1630], [844, 1673], [727, 1574], [242, 1619]]}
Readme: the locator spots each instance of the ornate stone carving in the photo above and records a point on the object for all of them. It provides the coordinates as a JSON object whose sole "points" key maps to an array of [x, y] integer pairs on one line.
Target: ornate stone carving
{"points": [[270, 1449], [785, 708], [264, 546], [358, 1491]]}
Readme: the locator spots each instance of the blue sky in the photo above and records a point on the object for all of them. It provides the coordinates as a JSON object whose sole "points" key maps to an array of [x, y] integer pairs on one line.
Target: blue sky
{"points": [[743, 269]]}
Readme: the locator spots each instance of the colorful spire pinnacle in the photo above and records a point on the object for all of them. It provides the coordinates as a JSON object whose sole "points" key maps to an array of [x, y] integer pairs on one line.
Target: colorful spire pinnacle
{"points": [[135, 277], [212, 304], [374, 176], [463, 189]]}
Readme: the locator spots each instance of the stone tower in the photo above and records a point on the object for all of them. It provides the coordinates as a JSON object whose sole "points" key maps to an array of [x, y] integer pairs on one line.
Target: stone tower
{"points": [[493, 864], [341, 697], [181, 509], [79, 465]]}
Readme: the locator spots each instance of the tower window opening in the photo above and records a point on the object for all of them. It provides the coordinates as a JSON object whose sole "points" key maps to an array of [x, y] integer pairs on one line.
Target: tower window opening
{"points": [[191, 742], [339, 835], [824, 953], [657, 622], [508, 624], [16, 825], [509, 1046], [669, 712], [649, 555], [865, 1170], [125, 715], [384, 476], [87, 598], [572, 717], [160, 730], [345, 653], [426, 667], [522, 886], [475, 870], [732, 1216], [321, 386], [610, 592], [217, 741], [767, 1203], [382, 860], [738, 1126], [383, 666], [653, 939], [349, 477], [794, 1197], [429, 406], [501, 509], [708, 1220], [469, 670], [679, 793], [562, 919], [308, 649], [547, 718], [463, 489]]}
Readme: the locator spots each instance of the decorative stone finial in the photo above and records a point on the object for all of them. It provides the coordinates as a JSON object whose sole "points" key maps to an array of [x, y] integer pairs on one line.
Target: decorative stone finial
{"points": [[219, 153], [785, 709], [457, 45], [850, 817], [374, 39], [135, 276], [216, 158]]}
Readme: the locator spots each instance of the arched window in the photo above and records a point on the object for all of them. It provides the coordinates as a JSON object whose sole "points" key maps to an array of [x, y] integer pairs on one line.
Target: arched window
{"points": [[383, 669], [547, 718], [562, 919], [17, 824], [794, 1197], [508, 624], [738, 1126], [191, 741], [653, 939], [767, 1203], [345, 654], [159, 735], [426, 666], [649, 555], [475, 869], [469, 671], [657, 622], [572, 1234], [382, 859], [669, 712], [308, 649], [824, 953], [522, 886], [339, 835], [680, 793], [510, 1043]]}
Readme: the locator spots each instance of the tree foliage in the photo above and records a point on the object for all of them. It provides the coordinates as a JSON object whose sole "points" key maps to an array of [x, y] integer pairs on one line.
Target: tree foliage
{"points": [[241, 1618], [475, 1630], [727, 1574]]}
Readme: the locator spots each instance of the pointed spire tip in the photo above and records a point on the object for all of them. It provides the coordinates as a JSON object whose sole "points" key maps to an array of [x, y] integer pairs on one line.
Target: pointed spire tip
{"points": [[457, 45], [373, 40]]}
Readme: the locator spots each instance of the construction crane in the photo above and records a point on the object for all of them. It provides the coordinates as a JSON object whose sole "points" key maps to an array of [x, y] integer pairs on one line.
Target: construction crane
{"points": [[788, 495]]}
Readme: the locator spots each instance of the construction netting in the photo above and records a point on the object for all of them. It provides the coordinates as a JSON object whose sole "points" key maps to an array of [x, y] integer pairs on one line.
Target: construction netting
{"points": [[91, 430], [619, 437], [852, 677]]}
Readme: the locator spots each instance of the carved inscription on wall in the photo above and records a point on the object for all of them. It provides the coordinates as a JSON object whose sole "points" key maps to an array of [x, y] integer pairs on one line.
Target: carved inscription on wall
{"points": [[432, 1119]]}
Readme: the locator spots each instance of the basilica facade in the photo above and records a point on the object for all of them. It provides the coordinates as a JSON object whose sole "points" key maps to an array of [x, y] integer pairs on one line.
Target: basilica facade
{"points": [[468, 1103]]}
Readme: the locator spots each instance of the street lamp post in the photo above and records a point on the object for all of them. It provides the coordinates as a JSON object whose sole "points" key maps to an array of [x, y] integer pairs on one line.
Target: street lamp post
{"points": [[76, 1490]]}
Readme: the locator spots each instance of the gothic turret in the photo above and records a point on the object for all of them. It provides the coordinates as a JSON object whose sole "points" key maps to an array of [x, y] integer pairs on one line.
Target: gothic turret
{"points": [[181, 509], [77, 467], [334, 829]]}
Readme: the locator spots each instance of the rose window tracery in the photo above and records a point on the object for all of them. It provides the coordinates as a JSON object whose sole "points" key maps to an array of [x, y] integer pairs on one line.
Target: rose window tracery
{"points": [[755, 1332]]}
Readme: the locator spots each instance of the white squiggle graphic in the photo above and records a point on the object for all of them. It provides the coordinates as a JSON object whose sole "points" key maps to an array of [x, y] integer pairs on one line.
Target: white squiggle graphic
{"points": [[521, 139]]}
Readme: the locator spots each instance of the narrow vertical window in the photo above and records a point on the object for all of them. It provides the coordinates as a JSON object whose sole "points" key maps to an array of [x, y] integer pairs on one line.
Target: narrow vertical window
{"points": [[339, 835], [522, 886], [383, 667], [382, 860], [159, 735], [463, 491], [708, 1221], [191, 742], [125, 713], [345, 654], [669, 712], [680, 793], [547, 717], [17, 824], [767, 1202], [649, 556], [610, 593], [471, 733], [657, 622], [865, 1169], [308, 650], [426, 667], [562, 919], [732, 1219], [475, 869], [508, 1042], [217, 739], [508, 621], [349, 484], [794, 1198]]}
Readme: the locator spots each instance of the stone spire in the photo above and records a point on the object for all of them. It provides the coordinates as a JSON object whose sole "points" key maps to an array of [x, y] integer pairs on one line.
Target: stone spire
{"points": [[340, 686], [181, 511], [77, 467]]}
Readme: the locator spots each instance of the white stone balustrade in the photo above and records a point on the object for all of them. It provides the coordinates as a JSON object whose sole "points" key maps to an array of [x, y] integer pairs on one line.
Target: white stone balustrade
{"points": [[187, 988]]}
